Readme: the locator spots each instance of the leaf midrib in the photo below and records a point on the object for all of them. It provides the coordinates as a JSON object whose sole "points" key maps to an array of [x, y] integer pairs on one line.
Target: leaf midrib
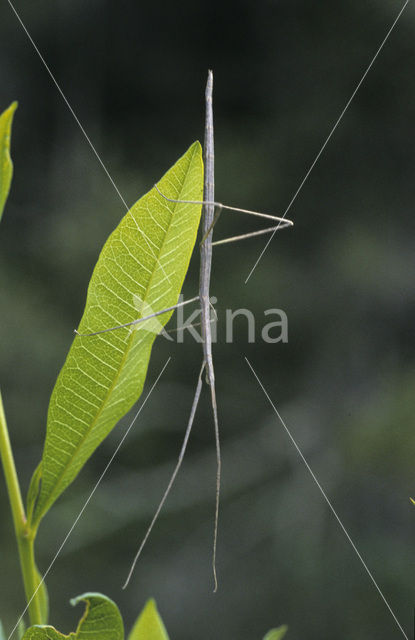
{"points": [[48, 503]]}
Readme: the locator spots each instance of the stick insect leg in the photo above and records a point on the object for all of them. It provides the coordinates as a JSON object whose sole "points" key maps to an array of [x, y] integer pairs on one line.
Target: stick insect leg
{"points": [[218, 205], [173, 476], [252, 234], [139, 320], [282, 222], [218, 481]]}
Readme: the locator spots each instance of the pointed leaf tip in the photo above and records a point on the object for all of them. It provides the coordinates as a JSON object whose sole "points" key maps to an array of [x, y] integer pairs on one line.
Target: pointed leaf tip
{"points": [[276, 634], [149, 625]]}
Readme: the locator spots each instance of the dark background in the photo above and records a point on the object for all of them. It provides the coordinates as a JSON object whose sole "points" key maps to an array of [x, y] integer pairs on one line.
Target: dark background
{"points": [[345, 382]]}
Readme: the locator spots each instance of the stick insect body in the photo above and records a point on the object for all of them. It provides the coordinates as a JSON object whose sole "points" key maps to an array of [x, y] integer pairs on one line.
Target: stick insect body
{"points": [[204, 289], [209, 219]]}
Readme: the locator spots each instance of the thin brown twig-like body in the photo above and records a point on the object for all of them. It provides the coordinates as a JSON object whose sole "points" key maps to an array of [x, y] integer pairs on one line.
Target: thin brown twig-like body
{"points": [[204, 291], [205, 306], [209, 219]]}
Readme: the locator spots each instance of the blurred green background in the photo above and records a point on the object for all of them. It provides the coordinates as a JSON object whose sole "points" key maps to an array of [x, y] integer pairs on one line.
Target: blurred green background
{"points": [[344, 383]]}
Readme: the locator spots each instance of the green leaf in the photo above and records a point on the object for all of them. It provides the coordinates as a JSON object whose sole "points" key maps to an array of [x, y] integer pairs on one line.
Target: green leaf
{"points": [[149, 625], [45, 633], [6, 165], [2, 634], [276, 634], [101, 621], [142, 266]]}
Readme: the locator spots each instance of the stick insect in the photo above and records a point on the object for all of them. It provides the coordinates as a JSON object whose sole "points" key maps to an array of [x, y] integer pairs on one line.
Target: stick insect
{"points": [[210, 214]]}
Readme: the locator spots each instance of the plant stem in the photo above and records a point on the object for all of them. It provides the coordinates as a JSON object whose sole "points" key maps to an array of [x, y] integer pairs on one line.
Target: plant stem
{"points": [[30, 578], [24, 537]]}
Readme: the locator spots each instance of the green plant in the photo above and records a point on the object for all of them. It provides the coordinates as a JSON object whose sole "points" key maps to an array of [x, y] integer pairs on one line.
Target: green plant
{"points": [[276, 634], [140, 268], [6, 165]]}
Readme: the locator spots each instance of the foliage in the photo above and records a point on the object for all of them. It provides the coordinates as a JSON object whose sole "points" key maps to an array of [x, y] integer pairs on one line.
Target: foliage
{"points": [[149, 625], [345, 278], [101, 621], [6, 165], [140, 270], [276, 634]]}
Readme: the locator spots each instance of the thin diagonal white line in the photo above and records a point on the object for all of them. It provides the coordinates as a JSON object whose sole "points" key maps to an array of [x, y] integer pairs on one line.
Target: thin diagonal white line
{"points": [[313, 164], [78, 122], [55, 82], [90, 495], [323, 493]]}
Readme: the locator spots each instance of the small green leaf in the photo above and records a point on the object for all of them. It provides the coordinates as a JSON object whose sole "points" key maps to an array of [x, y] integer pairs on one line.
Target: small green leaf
{"points": [[149, 625], [101, 621], [276, 634], [142, 266], [2, 634], [6, 165]]}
